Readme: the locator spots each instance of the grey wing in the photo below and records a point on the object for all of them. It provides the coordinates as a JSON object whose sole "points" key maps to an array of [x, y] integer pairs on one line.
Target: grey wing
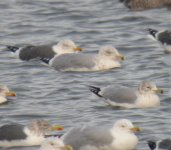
{"points": [[165, 144], [119, 94], [94, 136], [165, 37], [12, 132], [31, 52], [75, 61]]}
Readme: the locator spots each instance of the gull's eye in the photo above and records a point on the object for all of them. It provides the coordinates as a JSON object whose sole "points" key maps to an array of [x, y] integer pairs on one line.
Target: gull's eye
{"points": [[51, 143], [148, 87], [108, 52], [123, 126]]}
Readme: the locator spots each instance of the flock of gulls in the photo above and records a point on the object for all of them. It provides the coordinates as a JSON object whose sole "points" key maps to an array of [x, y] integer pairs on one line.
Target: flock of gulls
{"points": [[67, 56]]}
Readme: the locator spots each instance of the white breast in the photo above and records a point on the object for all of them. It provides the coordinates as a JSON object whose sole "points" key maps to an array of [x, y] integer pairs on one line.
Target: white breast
{"points": [[149, 100]]}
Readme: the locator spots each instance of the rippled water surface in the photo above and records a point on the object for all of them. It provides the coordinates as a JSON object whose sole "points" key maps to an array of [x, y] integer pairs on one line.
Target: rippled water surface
{"points": [[64, 98]]}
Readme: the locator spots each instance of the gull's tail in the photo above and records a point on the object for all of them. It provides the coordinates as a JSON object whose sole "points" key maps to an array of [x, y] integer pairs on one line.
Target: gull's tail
{"points": [[152, 32], [152, 145], [95, 90], [45, 60], [12, 48]]}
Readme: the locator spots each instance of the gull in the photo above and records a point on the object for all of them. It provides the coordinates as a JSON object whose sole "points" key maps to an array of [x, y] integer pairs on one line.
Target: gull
{"points": [[162, 37], [15, 135], [119, 137], [4, 92], [143, 96], [107, 58], [44, 51]]}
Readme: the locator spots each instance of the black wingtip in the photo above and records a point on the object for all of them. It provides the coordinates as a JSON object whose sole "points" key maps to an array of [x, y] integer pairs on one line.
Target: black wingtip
{"points": [[45, 60], [152, 32], [152, 145], [12, 48], [95, 90]]}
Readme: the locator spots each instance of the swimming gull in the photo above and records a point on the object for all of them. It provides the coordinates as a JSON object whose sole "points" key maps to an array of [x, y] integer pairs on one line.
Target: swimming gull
{"points": [[144, 96], [145, 4], [44, 51], [120, 137], [13, 135], [4, 92], [160, 145], [107, 58], [163, 37], [54, 143]]}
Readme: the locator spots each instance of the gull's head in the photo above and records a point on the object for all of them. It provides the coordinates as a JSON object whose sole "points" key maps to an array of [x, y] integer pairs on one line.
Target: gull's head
{"points": [[147, 87], [110, 53], [125, 126], [41, 127], [5, 92], [54, 144], [152, 145], [66, 46], [152, 33]]}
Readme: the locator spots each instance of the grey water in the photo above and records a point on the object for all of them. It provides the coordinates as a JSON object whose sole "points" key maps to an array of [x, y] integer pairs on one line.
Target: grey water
{"points": [[63, 97]]}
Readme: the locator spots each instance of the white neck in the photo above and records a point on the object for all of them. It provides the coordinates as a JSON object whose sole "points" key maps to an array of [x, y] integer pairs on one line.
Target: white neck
{"points": [[124, 140], [59, 50], [147, 100], [106, 63], [33, 138]]}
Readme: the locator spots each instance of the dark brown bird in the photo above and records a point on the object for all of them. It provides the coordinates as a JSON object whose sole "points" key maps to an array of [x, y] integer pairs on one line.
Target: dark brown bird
{"points": [[146, 4]]}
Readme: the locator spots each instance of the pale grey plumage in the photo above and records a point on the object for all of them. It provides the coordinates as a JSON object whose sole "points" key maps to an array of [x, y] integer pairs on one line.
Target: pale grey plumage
{"points": [[145, 95], [107, 58], [96, 136], [120, 94], [119, 136], [74, 61]]}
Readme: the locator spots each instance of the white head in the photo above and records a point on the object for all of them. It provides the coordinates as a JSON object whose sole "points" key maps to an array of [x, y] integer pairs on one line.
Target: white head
{"points": [[54, 144], [111, 53], [125, 126], [41, 127], [148, 88], [66, 46], [4, 92]]}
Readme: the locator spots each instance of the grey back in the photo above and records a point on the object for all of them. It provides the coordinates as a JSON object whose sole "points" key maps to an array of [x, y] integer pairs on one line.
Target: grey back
{"points": [[94, 136], [31, 52], [119, 94], [165, 144], [12, 132], [76, 61], [165, 37]]}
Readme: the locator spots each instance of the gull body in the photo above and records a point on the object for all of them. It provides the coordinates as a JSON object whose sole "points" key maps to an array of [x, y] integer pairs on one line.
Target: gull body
{"points": [[162, 37], [15, 135], [107, 58], [119, 137], [142, 97], [44, 51]]}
